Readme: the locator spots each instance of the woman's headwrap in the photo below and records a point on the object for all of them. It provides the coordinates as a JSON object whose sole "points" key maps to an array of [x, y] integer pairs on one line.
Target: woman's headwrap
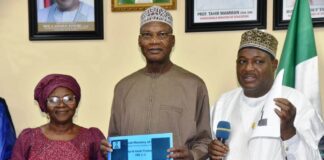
{"points": [[49, 83]]}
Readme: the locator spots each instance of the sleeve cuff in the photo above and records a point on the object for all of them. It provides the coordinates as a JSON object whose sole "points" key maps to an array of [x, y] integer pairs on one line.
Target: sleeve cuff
{"points": [[291, 145]]}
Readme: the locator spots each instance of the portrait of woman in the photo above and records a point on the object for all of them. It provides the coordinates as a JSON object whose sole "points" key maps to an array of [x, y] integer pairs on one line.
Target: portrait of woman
{"points": [[58, 96]]}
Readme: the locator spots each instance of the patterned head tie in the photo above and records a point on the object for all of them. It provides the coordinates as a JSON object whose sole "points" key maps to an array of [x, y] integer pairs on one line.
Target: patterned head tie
{"points": [[52, 81]]}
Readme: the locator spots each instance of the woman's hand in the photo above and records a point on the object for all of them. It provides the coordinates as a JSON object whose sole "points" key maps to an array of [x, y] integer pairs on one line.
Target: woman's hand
{"points": [[105, 147]]}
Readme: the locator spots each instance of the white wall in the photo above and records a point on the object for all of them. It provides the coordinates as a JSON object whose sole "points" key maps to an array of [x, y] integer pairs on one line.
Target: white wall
{"points": [[99, 64]]}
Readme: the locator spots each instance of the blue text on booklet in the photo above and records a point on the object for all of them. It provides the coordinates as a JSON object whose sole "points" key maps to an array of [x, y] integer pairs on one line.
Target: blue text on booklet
{"points": [[141, 147]]}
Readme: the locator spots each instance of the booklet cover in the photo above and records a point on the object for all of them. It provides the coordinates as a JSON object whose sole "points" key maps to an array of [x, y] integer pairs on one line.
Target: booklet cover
{"points": [[141, 147]]}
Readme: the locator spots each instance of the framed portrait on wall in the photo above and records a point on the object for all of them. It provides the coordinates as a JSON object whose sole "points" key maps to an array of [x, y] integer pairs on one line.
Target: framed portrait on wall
{"points": [[224, 15], [65, 19], [139, 5], [283, 9]]}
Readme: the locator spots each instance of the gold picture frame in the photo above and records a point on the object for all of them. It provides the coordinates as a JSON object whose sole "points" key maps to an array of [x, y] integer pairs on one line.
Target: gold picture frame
{"points": [[131, 5]]}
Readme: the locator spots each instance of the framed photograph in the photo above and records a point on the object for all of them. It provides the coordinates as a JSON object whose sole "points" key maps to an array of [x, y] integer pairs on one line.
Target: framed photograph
{"points": [[65, 19], [224, 15], [282, 11], [140, 5]]}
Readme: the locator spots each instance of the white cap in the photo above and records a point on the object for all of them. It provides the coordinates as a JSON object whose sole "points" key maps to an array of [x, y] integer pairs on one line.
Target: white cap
{"points": [[156, 14]]}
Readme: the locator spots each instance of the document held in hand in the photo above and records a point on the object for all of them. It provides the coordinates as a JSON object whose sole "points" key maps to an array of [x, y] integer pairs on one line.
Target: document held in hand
{"points": [[140, 147]]}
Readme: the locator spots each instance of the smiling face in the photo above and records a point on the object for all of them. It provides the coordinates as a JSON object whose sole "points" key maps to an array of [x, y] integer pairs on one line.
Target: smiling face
{"points": [[255, 71], [156, 42], [62, 112]]}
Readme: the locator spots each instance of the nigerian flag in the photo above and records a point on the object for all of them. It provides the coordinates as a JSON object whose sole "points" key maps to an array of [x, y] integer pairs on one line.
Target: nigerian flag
{"points": [[299, 58]]}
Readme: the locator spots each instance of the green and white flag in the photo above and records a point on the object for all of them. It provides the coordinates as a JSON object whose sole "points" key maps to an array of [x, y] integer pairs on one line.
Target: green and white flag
{"points": [[299, 58]]}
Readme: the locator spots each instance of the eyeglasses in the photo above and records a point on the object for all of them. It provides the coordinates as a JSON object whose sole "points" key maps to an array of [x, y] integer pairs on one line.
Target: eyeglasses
{"points": [[159, 35], [55, 101]]}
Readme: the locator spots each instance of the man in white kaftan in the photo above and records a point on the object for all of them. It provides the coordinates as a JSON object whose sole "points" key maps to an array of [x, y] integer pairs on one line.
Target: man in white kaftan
{"points": [[242, 112], [301, 126]]}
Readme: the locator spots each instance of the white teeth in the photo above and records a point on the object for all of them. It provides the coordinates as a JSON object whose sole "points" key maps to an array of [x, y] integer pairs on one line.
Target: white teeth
{"points": [[155, 50], [249, 78], [59, 112]]}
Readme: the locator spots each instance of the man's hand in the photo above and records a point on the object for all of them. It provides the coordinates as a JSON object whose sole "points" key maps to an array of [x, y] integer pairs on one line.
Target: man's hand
{"points": [[287, 115], [178, 153], [217, 150], [105, 147]]}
